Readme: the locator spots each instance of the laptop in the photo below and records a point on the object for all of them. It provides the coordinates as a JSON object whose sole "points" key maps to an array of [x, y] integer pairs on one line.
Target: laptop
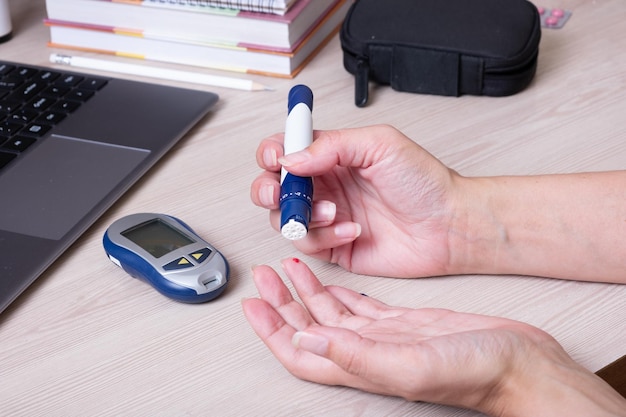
{"points": [[70, 145]]}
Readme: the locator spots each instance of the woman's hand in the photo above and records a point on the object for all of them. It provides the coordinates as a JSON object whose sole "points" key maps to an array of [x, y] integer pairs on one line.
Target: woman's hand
{"points": [[372, 183], [494, 365], [384, 206]]}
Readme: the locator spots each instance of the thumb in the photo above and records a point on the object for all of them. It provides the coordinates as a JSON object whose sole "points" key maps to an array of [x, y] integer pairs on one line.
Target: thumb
{"points": [[344, 347], [383, 368]]}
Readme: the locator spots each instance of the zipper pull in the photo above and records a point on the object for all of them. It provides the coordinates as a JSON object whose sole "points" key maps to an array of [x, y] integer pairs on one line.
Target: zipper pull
{"points": [[361, 85]]}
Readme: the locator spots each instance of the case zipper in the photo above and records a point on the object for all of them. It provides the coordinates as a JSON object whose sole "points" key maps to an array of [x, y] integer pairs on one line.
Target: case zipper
{"points": [[361, 85]]}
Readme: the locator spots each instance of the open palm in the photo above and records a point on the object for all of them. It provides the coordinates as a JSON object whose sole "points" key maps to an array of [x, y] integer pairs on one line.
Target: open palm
{"points": [[340, 337]]}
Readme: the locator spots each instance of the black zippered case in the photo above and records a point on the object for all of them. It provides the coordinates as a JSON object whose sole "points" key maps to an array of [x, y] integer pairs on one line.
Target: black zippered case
{"points": [[442, 47]]}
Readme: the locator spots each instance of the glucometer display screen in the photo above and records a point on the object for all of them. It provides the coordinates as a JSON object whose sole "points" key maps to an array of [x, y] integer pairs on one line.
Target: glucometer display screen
{"points": [[157, 237]]}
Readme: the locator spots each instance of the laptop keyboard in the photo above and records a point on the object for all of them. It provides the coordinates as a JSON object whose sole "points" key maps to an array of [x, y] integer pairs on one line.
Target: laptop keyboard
{"points": [[33, 100]]}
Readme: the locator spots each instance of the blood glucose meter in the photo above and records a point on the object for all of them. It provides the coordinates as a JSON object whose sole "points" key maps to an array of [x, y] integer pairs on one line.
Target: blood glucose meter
{"points": [[169, 255]]}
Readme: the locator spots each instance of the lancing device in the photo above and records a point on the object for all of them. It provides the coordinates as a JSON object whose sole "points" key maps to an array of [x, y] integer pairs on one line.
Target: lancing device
{"points": [[296, 193]]}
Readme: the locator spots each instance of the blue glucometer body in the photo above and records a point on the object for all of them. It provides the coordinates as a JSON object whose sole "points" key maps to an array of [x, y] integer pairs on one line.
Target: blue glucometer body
{"points": [[169, 255]]}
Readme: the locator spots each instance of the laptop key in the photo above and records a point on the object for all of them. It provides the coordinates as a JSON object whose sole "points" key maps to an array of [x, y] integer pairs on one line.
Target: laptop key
{"points": [[66, 106], [69, 80], [22, 116], [48, 76], [6, 68], [26, 72], [27, 91], [50, 118], [9, 106], [8, 129], [55, 91], [40, 103], [19, 143], [93, 84], [10, 83], [80, 95], [36, 130]]}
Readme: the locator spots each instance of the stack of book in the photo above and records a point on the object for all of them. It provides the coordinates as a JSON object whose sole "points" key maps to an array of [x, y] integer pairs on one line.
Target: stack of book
{"points": [[268, 37]]}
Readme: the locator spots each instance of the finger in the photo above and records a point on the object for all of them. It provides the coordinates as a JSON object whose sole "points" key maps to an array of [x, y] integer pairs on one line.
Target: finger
{"points": [[362, 305], [357, 148], [321, 239], [268, 152], [277, 334], [379, 367], [265, 190], [323, 213], [273, 291], [321, 305], [265, 320], [275, 219]]}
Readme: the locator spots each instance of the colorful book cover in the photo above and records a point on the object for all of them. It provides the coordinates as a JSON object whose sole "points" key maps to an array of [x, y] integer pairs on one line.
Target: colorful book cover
{"points": [[186, 38], [204, 24], [137, 44]]}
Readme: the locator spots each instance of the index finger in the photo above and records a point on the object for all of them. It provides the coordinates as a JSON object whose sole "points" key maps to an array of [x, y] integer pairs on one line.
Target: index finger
{"points": [[351, 148], [268, 152], [274, 292], [325, 309], [271, 148]]}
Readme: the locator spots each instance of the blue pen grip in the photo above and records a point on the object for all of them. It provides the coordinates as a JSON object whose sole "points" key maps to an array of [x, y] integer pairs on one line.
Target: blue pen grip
{"points": [[296, 198]]}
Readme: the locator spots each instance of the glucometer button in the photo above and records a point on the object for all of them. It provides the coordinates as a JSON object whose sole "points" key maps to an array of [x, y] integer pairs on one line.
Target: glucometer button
{"points": [[200, 255], [180, 263]]}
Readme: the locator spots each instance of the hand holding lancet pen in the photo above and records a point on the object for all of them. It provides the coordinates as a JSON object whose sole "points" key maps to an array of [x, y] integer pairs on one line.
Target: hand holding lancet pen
{"points": [[296, 193]]}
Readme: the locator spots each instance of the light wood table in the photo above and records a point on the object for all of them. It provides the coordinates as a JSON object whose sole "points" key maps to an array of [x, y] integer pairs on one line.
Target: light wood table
{"points": [[87, 340]]}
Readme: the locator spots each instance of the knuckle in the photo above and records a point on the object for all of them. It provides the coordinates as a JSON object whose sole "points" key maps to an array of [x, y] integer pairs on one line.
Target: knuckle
{"points": [[353, 363]]}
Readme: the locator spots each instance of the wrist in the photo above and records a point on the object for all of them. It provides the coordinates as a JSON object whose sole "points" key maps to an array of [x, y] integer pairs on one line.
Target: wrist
{"points": [[551, 384], [531, 225], [476, 235]]}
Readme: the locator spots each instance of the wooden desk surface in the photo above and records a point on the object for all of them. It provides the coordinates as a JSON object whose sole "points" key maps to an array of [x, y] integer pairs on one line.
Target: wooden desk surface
{"points": [[86, 339]]}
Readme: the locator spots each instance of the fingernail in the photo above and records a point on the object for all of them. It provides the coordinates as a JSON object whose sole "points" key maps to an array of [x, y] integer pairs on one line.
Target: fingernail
{"points": [[310, 342], [348, 230], [294, 158], [266, 195], [270, 158], [285, 262], [327, 210]]}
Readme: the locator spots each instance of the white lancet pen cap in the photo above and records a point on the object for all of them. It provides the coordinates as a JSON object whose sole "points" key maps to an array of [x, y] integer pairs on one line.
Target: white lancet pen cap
{"points": [[296, 193]]}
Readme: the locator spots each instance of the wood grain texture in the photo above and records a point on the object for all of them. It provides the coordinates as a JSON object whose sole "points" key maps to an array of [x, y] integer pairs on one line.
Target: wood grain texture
{"points": [[86, 339]]}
